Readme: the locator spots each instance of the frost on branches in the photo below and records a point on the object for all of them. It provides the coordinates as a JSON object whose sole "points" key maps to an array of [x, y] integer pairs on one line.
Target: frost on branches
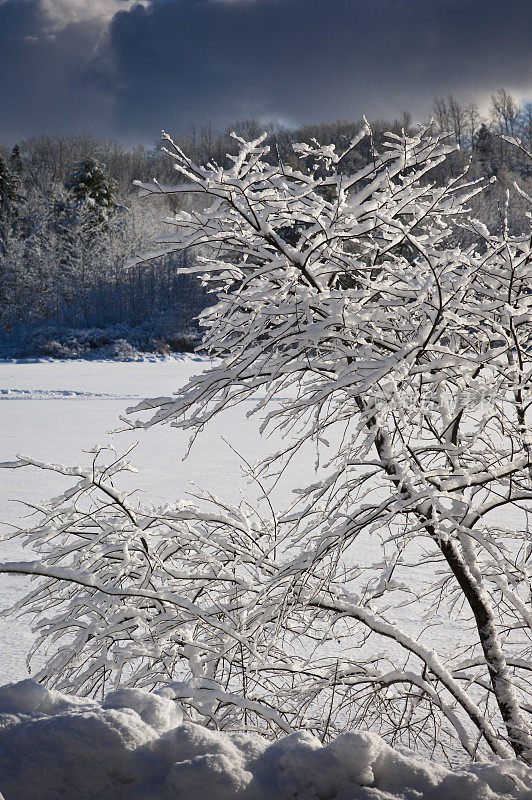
{"points": [[349, 297]]}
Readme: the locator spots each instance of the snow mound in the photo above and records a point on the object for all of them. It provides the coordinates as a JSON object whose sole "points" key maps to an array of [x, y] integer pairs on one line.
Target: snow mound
{"points": [[135, 745]]}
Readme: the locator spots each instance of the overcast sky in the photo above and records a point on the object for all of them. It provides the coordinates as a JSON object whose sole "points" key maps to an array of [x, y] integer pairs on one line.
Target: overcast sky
{"points": [[127, 69]]}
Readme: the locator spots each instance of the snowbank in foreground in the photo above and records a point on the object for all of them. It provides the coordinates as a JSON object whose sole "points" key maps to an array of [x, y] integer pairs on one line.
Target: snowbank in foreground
{"points": [[135, 745]]}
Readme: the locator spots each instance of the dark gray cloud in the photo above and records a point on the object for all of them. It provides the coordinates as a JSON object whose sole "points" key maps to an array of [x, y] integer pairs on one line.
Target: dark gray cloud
{"points": [[43, 72], [168, 63]]}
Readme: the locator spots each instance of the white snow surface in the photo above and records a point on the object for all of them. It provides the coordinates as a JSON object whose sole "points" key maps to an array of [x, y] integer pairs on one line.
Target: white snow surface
{"points": [[135, 746]]}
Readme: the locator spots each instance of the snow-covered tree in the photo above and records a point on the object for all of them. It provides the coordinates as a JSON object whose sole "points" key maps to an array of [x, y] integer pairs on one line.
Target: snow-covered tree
{"points": [[403, 362], [92, 188], [9, 199], [15, 161], [484, 150]]}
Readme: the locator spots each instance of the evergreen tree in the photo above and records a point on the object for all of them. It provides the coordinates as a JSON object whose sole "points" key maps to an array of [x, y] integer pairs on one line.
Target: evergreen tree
{"points": [[8, 187], [15, 161], [9, 198], [484, 150], [90, 186]]}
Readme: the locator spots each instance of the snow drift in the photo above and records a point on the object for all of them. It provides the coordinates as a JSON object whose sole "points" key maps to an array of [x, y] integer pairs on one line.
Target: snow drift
{"points": [[136, 745]]}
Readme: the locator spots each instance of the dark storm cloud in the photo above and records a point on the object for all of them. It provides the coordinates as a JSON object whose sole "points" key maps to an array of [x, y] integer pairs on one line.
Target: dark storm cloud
{"points": [[178, 61], [43, 71]]}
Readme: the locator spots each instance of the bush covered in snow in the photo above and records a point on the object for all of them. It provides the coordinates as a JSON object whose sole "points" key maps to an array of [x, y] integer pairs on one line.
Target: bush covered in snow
{"points": [[135, 745], [118, 342]]}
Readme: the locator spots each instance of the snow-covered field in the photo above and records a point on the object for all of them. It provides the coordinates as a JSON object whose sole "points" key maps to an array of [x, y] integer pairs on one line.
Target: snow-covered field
{"points": [[52, 411]]}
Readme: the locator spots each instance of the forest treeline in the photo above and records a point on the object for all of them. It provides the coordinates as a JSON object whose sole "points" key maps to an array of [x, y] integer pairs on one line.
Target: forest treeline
{"points": [[70, 218]]}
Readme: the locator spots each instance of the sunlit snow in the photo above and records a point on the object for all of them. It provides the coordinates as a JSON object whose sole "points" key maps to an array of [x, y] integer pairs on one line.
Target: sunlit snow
{"points": [[134, 746]]}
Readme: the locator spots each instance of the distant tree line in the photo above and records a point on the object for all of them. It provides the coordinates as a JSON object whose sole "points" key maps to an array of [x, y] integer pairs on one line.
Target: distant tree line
{"points": [[66, 231], [70, 217]]}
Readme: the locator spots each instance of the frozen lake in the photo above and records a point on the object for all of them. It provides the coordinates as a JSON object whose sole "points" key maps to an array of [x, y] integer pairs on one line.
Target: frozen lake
{"points": [[53, 410]]}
